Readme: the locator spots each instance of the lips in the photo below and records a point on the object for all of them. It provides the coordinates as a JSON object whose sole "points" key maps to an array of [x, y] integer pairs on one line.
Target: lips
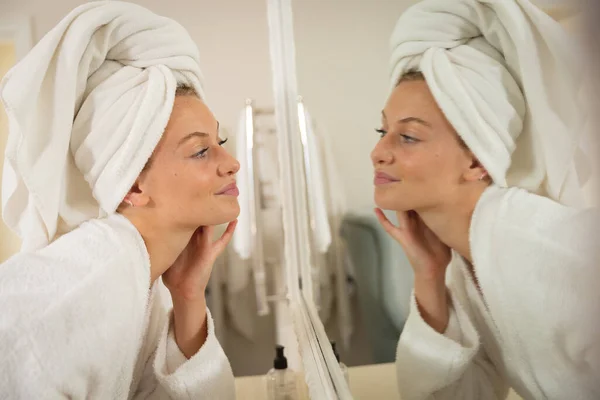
{"points": [[381, 178], [229, 190]]}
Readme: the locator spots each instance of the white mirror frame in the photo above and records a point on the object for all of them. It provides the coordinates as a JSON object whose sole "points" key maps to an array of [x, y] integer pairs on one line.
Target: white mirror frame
{"points": [[323, 375]]}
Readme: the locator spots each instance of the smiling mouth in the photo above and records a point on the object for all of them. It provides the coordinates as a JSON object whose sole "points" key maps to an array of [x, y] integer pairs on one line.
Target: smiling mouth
{"points": [[383, 179], [229, 190]]}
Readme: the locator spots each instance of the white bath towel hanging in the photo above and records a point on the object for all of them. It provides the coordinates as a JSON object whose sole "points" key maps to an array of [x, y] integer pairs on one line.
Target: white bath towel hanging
{"points": [[239, 298], [242, 237], [340, 263], [317, 199], [242, 260]]}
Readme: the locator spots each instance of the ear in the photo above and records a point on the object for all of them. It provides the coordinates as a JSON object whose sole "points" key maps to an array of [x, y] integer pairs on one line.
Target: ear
{"points": [[137, 196], [476, 171]]}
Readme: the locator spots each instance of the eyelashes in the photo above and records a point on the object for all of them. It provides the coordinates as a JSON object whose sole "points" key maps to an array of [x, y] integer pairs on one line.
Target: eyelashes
{"points": [[405, 138], [409, 139], [202, 153]]}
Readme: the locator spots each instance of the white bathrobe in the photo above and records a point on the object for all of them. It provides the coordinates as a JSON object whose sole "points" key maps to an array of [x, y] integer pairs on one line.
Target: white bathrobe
{"points": [[534, 325], [79, 320]]}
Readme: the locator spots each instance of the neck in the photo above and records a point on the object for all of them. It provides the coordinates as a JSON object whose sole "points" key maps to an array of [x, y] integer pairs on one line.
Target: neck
{"points": [[451, 222], [163, 243]]}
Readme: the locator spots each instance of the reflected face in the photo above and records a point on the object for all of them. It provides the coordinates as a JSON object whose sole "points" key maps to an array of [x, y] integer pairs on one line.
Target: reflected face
{"points": [[419, 161], [191, 178]]}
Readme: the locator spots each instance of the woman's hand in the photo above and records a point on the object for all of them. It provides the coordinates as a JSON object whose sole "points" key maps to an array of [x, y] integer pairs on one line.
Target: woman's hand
{"points": [[187, 279], [429, 258]]}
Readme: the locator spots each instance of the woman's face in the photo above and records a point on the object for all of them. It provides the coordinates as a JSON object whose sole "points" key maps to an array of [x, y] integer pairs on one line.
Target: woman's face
{"points": [[419, 161], [191, 179]]}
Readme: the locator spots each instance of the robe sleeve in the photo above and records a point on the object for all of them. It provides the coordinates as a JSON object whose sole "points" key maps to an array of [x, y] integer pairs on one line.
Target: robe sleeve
{"points": [[452, 365], [168, 374]]}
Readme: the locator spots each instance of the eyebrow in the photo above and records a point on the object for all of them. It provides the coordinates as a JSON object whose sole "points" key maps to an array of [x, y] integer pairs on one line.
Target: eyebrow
{"points": [[192, 135], [409, 120], [196, 134], [414, 119]]}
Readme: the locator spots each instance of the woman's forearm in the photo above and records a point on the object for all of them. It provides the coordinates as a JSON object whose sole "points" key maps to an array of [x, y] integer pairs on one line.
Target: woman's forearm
{"points": [[190, 325], [432, 301]]}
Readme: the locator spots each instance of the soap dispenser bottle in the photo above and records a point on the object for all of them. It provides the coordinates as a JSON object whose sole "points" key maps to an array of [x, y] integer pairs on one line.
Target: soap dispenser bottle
{"points": [[281, 381], [343, 366]]}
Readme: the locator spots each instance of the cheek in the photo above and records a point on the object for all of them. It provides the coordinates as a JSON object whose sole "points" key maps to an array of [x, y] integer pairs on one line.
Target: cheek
{"points": [[201, 185], [198, 180], [416, 163], [184, 180], [447, 170], [455, 162]]}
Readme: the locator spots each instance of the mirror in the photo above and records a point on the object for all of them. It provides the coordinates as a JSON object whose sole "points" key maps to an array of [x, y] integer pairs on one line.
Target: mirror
{"points": [[361, 278], [342, 67]]}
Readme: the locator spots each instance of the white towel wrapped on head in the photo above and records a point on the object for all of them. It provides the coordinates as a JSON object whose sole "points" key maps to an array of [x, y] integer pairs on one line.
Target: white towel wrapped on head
{"points": [[506, 77], [86, 108]]}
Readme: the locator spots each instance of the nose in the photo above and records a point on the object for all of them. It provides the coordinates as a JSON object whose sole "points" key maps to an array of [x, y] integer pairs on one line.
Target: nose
{"points": [[229, 166], [381, 154]]}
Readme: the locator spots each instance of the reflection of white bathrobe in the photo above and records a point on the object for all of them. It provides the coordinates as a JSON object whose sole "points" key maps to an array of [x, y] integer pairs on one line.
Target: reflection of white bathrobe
{"points": [[77, 320], [536, 326]]}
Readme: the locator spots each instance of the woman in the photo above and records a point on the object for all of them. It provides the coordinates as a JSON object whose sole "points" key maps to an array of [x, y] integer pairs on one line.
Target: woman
{"points": [[478, 158], [114, 180]]}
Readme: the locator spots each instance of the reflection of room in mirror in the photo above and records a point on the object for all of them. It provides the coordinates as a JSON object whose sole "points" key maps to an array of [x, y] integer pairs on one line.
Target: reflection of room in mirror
{"points": [[344, 93], [242, 291], [343, 75]]}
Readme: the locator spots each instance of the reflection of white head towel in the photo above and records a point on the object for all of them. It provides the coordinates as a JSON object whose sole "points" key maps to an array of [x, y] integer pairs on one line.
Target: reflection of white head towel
{"points": [[86, 108], [504, 75]]}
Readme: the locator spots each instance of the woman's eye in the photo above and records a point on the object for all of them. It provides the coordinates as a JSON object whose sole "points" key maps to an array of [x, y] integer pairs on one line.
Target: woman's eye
{"points": [[201, 153], [381, 132], [409, 139], [405, 138]]}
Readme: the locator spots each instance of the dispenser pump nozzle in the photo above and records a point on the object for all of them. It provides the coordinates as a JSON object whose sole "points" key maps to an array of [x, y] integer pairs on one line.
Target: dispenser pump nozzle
{"points": [[280, 361]]}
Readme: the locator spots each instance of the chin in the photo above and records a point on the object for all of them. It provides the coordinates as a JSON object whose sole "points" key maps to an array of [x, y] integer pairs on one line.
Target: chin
{"points": [[392, 200], [219, 214], [231, 215], [227, 214]]}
